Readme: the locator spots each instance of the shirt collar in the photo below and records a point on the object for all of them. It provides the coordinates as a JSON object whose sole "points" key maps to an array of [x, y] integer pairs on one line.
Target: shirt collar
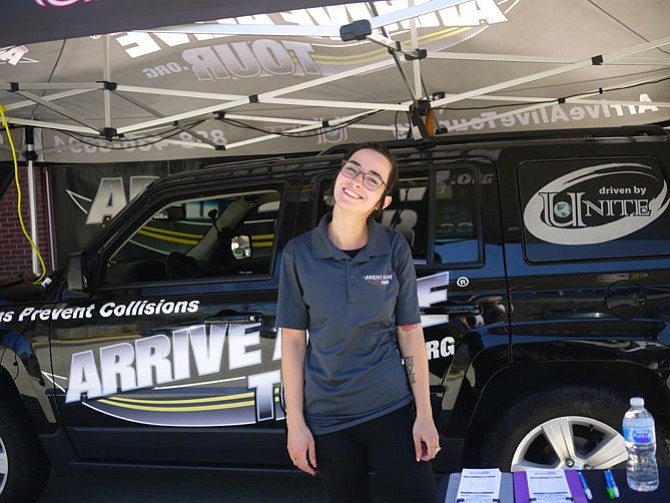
{"points": [[323, 247]]}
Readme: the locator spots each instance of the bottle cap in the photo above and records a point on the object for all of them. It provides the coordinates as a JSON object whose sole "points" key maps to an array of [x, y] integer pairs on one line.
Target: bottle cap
{"points": [[637, 402]]}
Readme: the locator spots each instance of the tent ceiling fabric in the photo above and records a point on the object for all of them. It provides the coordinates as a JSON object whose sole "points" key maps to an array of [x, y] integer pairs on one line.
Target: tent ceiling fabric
{"points": [[30, 21], [250, 83]]}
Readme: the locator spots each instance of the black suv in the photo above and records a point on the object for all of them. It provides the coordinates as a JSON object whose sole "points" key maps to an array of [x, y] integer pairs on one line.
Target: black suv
{"points": [[544, 280]]}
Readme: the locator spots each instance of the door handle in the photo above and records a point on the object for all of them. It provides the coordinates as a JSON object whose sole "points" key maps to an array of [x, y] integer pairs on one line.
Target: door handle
{"points": [[466, 309], [234, 317]]}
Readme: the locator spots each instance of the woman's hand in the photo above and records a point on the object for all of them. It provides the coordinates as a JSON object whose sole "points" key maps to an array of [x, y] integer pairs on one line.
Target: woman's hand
{"points": [[413, 349], [300, 443], [426, 439], [300, 446]]}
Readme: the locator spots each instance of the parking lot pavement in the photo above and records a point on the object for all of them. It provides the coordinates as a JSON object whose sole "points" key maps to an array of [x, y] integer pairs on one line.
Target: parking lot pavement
{"points": [[184, 487]]}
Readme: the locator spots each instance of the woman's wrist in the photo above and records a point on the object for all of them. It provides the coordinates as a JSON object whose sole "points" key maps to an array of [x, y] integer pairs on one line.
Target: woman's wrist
{"points": [[295, 419], [423, 412]]}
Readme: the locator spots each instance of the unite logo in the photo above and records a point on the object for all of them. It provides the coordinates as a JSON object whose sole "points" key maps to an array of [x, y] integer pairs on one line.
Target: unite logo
{"points": [[597, 204], [59, 3]]}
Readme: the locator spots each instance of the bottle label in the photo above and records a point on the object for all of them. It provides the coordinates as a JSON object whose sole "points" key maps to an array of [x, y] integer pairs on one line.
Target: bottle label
{"points": [[640, 436]]}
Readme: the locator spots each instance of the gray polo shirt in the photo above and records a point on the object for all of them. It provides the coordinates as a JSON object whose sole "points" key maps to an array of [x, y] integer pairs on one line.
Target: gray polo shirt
{"points": [[351, 308]]}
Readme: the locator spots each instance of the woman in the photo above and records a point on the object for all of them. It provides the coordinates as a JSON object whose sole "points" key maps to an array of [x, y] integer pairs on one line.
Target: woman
{"points": [[350, 402]]}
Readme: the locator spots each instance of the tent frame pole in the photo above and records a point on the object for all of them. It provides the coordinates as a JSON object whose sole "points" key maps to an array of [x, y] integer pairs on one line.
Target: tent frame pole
{"points": [[29, 154], [107, 77], [550, 73], [260, 97]]}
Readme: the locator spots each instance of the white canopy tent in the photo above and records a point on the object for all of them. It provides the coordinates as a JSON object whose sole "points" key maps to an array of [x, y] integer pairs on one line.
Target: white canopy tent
{"points": [[322, 73], [236, 86]]}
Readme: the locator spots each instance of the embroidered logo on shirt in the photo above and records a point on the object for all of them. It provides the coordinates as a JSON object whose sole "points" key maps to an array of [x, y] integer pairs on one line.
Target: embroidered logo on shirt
{"points": [[378, 279]]}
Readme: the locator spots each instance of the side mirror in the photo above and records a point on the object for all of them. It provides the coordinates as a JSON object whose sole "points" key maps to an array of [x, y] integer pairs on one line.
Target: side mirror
{"points": [[241, 246], [75, 272]]}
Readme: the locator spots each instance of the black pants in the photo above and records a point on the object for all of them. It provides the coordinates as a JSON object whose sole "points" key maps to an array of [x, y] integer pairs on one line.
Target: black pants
{"points": [[386, 444]]}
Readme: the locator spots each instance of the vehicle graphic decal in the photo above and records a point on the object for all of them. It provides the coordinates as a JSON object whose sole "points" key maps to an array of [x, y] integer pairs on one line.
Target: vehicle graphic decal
{"points": [[198, 405], [106, 310], [433, 290], [170, 378], [597, 204]]}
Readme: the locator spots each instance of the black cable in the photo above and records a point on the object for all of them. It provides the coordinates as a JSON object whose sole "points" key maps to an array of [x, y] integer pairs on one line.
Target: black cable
{"points": [[320, 129], [164, 135], [97, 137], [487, 107], [80, 138], [236, 123], [395, 123], [327, 129], [639, 84], [549, 101]]}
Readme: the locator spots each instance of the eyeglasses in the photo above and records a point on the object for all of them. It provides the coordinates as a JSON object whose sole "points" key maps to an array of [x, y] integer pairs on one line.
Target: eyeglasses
{"points": [[371, 181]]}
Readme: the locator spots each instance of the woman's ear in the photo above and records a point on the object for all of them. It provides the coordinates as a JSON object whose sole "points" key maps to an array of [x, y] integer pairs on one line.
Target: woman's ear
{"points": [[383, 204]]}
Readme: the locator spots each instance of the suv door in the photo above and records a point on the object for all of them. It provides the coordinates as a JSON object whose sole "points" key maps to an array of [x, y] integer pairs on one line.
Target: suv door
{"points": [[448, 211], [588, 257], [174, 353]]}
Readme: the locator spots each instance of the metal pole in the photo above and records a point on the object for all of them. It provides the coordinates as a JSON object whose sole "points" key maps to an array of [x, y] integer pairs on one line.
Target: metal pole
{"points": [[50, 220], [30, 150], [416, 66], [107, 77]]}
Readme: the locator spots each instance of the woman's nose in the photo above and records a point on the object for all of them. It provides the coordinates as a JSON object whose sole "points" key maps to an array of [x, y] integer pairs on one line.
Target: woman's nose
{"points": [[360, 175]]}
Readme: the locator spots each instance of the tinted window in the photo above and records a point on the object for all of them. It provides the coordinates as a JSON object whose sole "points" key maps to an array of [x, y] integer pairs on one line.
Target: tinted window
{"points": [[218, 236], [452, 234], [577, 209], [457, 225], [408, 213]]}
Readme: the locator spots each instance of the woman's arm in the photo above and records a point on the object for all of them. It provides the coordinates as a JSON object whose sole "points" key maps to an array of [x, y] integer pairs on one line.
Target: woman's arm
{"points": [[300, 443], [413, 350]]}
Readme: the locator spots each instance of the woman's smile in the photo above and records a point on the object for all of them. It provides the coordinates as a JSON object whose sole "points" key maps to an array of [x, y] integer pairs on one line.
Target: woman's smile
{"points": [[349, 192]]}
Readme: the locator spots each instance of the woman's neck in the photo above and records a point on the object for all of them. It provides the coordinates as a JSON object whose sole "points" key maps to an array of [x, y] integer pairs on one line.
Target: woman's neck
{"points": [[348, 231]]}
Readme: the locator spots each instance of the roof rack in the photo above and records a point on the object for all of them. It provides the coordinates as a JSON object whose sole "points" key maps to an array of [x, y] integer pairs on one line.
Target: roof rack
{"points": [[249, 166], [544, 134]]}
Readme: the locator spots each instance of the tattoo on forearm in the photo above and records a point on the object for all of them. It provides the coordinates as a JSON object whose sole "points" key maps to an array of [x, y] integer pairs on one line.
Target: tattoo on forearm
{"points": [[409, 368], [407, 328]]}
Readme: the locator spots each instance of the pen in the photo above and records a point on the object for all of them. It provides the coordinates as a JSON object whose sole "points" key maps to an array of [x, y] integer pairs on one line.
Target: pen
{"points": [[610, 489], [613, 483], [588, 492]]}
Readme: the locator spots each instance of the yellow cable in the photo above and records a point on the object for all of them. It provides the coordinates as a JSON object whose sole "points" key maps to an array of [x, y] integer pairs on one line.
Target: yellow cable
{"points": [[18, 191]]}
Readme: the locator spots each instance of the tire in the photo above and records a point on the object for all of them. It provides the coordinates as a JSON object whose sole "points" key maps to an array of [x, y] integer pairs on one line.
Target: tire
{"points": [[24, 468], [566, 427]]}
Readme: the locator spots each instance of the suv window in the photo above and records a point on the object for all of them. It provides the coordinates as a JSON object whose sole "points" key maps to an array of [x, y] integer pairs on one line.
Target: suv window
{"points": [[453, 236], [457, 221], [223, 235], [408, 213], [578, 209]]}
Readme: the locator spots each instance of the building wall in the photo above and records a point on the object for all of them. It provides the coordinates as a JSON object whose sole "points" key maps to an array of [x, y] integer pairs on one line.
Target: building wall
{"points": [[15, 250]]}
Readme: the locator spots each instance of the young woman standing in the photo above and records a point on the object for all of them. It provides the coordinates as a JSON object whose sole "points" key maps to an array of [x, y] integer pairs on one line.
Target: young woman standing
{"points": [[349, 315]]}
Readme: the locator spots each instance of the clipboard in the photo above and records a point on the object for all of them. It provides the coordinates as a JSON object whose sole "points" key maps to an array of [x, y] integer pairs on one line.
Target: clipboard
{"points": [[506, 488], [521, 487]]}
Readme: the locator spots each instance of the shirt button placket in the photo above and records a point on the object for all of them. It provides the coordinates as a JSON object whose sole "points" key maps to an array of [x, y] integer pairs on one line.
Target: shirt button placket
{"points": [[351, 286]]}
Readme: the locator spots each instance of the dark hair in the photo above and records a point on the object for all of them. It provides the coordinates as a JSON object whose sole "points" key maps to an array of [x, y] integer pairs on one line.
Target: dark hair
{"points": [[393, 175]]}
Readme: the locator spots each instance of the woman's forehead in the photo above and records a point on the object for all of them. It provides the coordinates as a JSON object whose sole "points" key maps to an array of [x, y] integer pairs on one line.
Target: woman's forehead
{"points": [[371, 160]]}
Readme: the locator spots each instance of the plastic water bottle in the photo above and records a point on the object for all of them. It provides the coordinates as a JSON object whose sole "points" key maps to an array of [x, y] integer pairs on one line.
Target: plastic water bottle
{"points": [[640, 437]]}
